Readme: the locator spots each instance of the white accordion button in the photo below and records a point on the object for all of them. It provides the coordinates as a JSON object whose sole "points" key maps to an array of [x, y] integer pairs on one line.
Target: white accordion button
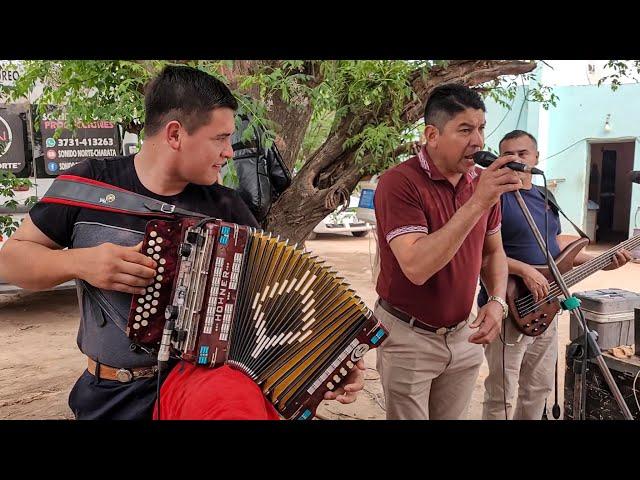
{"points": [[343, 372], [149, 251], [156, 294], [349, 364], [160, 269], [153, 311], [136, 326], [149, 289], [151, 243], [159, 277], [139, 309], [154, 303], [330, 386], [157, 285], [147, 306], [153, 234], [141, 300], [162, 262], [148, 298], [137, 318], [156, 256], [144, 323], [145, 314], [336, 378], [159, 240], [157, 248]]}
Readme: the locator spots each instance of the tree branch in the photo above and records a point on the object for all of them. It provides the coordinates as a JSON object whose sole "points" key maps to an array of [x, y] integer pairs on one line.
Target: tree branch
{"points": [[466, 72]]}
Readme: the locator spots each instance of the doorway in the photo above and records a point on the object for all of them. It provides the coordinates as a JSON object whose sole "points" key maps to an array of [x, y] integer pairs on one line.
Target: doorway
{"points": [[610, 190]]}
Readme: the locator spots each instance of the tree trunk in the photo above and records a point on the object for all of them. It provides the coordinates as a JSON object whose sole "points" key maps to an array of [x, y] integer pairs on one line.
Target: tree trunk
{"points": [[331, 174], [291, 118]]}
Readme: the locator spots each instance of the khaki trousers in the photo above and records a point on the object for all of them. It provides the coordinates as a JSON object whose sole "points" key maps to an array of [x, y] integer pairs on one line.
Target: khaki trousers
{"points": [[529, 374], [425, 375]]}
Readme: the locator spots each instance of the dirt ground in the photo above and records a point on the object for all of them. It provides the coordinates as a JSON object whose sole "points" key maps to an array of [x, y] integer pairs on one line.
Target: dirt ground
{"points": [[39, 359]]}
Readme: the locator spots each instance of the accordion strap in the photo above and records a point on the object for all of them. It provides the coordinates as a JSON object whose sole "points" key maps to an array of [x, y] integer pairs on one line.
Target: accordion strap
{"points": [[88, 193]]}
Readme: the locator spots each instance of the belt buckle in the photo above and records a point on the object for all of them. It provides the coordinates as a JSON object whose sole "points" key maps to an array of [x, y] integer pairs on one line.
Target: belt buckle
{"points": [[442, 331], [124, 376]]}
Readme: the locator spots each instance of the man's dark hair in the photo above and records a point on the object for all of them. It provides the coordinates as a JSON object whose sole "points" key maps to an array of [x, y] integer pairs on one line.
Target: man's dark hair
{"points": [[446, 101], [185, 94], [517, 134]]}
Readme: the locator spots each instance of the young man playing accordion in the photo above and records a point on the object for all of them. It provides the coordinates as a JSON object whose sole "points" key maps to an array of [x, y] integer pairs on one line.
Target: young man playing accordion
{"points": [[189, 125]]}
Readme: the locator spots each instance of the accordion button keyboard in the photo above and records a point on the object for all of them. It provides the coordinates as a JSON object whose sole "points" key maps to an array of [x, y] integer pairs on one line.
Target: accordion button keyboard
{"points": [[152, 243], [145, 314], [156, 294], [154, 303], [153, 311], [153, 234], [141, 300], [336, 378], [157, 285], [147, 306], [156, 256], [157, 248], [144, 323], [160, 269], [150, 289], [159, 278], [149, 251], [349, 364], [136, 326], [137, 318], [148, 298], [159, 240], [330, 386], [162, 261], [139, 309], [343, 372]]}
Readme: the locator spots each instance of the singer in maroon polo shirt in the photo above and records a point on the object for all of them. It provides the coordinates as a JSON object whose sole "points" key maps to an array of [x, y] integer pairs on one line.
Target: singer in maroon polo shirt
{"points": [[438, 226]]}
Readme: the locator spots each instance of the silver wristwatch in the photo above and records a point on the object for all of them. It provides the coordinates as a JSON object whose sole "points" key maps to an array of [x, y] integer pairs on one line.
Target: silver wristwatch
{"points": [[503, 304]]}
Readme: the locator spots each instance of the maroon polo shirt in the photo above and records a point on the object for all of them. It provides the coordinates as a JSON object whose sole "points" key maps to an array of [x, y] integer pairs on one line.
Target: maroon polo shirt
{"points": [[415, 197]]}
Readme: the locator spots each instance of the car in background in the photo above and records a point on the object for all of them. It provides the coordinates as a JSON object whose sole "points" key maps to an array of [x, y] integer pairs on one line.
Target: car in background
{"points": [[343, 220]]}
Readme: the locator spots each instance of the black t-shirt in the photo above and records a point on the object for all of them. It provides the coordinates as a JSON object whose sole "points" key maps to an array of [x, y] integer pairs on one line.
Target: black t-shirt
{"points": [[75, 227], [57, 221]]}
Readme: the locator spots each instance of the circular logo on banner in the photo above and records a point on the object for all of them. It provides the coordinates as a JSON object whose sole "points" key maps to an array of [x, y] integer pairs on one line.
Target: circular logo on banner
{"points": [[51, 142], [52, 166], [110, 198], [51, 154], [6, 136], [359, 352]]}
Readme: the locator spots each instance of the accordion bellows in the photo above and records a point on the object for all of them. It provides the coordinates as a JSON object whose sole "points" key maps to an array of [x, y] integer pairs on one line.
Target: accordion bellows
{"points": [[240, 296]]}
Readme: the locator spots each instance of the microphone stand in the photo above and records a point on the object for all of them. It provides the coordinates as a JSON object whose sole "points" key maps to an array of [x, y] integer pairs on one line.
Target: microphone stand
{"points": [[586, 349]]}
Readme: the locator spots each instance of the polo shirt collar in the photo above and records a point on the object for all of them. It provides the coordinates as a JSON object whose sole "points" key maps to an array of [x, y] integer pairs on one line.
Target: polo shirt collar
{"points": [[432, 171]]}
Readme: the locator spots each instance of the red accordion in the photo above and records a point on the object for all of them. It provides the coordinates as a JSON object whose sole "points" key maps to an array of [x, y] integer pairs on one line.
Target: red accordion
{"points": [[226, 293]]}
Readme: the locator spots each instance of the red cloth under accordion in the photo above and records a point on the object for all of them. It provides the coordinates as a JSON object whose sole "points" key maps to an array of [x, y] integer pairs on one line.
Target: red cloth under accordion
{"points": [[195, 393]]}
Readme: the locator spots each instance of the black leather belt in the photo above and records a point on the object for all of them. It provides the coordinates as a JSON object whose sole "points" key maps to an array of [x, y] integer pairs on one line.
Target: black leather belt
{"points": [[405, 317]]}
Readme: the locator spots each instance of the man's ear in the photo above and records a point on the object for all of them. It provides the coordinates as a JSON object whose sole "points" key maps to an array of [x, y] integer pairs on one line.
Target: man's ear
{"points": [[537, 157], [431, 135], [173, 134]]}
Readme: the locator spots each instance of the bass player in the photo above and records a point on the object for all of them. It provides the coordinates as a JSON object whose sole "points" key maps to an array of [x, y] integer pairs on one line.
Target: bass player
{"points": [[521, 368]]}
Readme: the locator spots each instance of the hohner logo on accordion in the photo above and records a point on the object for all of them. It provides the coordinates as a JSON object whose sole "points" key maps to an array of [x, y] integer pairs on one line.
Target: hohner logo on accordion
{"points": [[239, 296]]}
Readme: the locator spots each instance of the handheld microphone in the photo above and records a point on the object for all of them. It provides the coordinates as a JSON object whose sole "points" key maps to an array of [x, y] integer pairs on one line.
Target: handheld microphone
{"points": [[484, 159], [634, 176]]}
